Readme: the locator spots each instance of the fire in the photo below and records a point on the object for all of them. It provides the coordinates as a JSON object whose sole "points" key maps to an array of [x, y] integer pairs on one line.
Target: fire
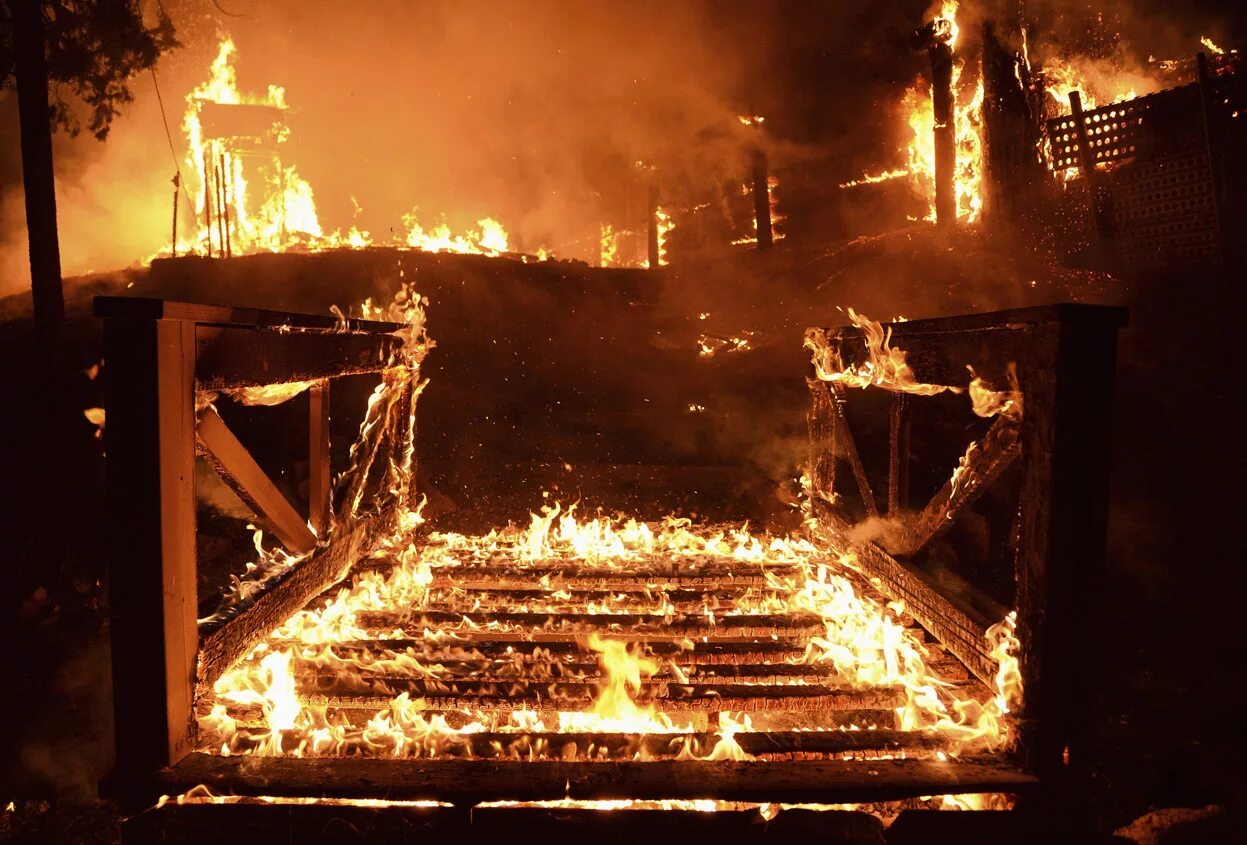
{"points": [[1210, 46], [860, 640], [885, 366], [248, 198], [665, 226], [609, 254]]}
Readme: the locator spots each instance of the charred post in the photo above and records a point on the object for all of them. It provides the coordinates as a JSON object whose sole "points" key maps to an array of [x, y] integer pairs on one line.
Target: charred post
{"points": [[761, 199], [1011, 133], [651, 231]]}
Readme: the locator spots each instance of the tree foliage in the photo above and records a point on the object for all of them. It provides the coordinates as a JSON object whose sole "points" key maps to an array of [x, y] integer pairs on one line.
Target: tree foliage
{"points": [[94, 49]]}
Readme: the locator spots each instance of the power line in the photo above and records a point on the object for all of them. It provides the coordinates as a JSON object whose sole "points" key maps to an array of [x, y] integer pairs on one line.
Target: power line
{"points": [[179, 181]]}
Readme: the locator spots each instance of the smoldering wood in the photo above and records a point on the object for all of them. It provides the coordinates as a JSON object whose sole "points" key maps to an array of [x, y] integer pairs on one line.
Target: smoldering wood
{"points": [[235, 466], [223, 642], [471, 781], [151, 537], [651, 229], [983, 465]]}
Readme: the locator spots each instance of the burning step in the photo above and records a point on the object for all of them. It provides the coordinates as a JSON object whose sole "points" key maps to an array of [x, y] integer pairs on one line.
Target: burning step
{"points": [[598, 640]]}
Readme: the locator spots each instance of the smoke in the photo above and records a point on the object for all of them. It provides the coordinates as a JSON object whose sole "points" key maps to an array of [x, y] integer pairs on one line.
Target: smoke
{"points": [[534, 114]]}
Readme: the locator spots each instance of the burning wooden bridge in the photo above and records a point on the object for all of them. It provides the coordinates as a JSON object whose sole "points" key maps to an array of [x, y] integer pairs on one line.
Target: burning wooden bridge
{"points": [[588, 660]]}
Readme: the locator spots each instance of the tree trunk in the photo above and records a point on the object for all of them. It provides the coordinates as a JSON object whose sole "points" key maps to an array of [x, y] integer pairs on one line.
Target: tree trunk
{"points": [[37, 174]]}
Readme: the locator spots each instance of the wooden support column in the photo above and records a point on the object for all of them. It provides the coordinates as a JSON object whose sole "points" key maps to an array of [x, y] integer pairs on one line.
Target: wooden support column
{"points": [[150, 477], [1066, 447], [761, 200], [821, 420], [319, 478], [945, 133]]}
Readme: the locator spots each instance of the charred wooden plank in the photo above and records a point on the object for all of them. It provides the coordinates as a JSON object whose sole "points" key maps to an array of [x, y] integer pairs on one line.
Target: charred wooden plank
{"points": [[472, 781], [960, 630], [138, 307], [222, 644], [240, 472], [244, 357], [983, 465]]}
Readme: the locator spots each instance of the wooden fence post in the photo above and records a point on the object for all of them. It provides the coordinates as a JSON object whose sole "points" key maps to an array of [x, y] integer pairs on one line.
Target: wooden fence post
{"points": [[150, 478]]}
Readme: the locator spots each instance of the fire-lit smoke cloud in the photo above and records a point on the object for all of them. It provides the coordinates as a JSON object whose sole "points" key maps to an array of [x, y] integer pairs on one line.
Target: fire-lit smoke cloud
{"points": [[533, 114]]}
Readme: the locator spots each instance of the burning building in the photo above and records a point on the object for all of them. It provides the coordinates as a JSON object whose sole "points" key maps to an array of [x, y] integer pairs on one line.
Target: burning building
{"points": [[587, 511]]}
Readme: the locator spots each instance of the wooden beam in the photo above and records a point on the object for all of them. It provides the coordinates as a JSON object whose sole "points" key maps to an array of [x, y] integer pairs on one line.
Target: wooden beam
{"points": [[821, 421], [983, 465], [471, 781], [224, 642], [151, 538], [244, 476], [958, 628], [246, 357], [319, 474], [138, 307]]}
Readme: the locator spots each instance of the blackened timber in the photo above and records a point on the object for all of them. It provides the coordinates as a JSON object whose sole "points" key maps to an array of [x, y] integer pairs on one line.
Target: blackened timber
{"points": [[821, 421], [223, 642], [1066, 454], [140, 307], [246, 357], [240, 472], [983, 464], [471, 781], [961, 631], [845, 432]]}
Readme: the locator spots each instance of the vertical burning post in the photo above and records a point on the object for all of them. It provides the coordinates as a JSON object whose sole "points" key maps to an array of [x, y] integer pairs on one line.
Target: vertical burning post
{"points": [[652, 223], [938, 38], [761, 199]]}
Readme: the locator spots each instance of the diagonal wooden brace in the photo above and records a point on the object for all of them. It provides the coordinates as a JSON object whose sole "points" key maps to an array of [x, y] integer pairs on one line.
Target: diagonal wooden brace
{"points": [[982, 465], [243, 475]]}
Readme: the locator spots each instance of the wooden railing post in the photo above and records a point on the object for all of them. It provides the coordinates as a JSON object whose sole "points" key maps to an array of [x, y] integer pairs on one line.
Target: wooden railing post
{"points": [[1066, 436], [150, 478], [319, 478]]}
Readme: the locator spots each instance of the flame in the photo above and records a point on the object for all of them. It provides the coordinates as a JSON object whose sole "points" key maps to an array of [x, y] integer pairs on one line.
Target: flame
{"points": [[665, 226], [248, 198], [609, 254], [885, 366], [874, 179], [1210, 46], [490, 238], [861, 639]]}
